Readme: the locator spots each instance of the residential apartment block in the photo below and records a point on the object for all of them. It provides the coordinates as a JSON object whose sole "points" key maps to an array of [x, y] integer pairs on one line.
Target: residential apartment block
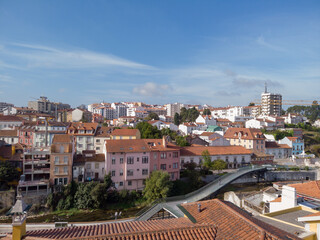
{"points": [[61, 159]]}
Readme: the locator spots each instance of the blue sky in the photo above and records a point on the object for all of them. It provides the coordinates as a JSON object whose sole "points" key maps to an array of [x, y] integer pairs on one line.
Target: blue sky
{"points": [[214, 52]]}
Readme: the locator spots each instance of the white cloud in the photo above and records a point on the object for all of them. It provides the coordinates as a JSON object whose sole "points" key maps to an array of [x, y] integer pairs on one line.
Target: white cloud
{"points": [[38, 56], [151, 89], [261, 41]]}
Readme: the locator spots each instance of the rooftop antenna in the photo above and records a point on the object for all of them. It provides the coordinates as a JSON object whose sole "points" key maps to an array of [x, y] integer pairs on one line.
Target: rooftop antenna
{"points": [[265, 87]]}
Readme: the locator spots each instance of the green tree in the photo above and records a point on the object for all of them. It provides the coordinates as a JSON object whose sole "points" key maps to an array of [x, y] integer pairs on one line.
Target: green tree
{"points": [[83, 198], [182, 141], [8, 172], [99, 195], [148, 131], [207, 163], [219, 165], [176, 119], [157, 186], [206, 112], [152, 116], [251, 104]]}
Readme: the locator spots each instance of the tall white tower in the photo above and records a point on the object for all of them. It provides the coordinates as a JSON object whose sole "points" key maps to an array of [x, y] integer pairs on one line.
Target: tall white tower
{"points": [[271, 103]]}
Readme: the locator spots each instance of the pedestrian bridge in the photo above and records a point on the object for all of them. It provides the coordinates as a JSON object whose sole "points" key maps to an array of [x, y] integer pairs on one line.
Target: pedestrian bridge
{"points": [[171, 204]]}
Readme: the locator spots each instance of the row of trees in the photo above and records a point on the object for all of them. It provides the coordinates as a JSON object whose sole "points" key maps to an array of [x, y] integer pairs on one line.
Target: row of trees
{"points": [[311, 112], [92, 195]]}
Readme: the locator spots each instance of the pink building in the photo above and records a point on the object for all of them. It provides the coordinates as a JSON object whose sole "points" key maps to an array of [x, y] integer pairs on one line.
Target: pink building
{"points": [[128, 162], [131, 161], [164, 156], [26, 134]]}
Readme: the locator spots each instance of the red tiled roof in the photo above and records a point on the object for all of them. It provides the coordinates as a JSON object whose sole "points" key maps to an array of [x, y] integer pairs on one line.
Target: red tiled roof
{"points": [[311, 189], [216, 220], [125, 132], [277, 200], [9, 133], [214, 150], [233, 222], [276, 145], [62, 138], [181, 228], [10, 118], [246, 133], [127, 145]]}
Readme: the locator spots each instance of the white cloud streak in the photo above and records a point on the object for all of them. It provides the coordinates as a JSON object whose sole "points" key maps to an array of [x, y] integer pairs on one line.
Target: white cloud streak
{"points": [[38, 56], [261, 41]]}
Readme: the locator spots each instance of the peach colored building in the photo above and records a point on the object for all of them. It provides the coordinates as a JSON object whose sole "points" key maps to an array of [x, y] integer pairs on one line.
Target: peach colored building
{"points": [[249, 138], [61, 159], [125, 133]]}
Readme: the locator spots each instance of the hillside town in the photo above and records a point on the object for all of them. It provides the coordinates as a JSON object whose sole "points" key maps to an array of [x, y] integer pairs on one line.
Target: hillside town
{"points": [[51, 145]]}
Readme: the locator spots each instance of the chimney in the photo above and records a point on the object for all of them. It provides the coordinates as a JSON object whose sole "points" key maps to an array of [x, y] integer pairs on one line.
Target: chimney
{"points": [[164, 142], [199, 207]]}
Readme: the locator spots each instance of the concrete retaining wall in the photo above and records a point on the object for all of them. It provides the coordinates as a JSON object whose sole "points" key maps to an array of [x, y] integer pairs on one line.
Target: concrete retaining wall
{"points": [[7, 199]]}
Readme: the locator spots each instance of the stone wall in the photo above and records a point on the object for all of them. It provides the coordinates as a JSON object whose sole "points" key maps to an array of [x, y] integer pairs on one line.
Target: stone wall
{"points": [[7, 199]]}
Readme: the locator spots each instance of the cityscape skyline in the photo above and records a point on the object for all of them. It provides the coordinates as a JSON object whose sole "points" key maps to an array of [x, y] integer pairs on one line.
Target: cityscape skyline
{"points": [[210, 53]]}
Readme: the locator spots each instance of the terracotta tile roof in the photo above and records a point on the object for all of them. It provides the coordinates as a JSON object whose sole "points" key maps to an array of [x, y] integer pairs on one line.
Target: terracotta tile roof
{"points": [[214, 150], [292, 139], [125, 132], [9, 133], [127, 145], [246, 133], [317, 214], [157, 145], [276, 145], [311, 189], [62, 138], [10, 118], [103, 132], [93, 158], [233, 222], [277, 200], [206, 134], [181, 228], [82, 126]]}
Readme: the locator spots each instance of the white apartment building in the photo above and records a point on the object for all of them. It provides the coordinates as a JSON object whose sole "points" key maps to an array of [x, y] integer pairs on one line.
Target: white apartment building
{"points": [[271, 103]]}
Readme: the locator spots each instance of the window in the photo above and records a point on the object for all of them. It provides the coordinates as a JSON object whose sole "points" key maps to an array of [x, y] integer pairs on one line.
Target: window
{"points": [[121, 172], [65, 169], [182, 160], [65, 181], [65, 159], [191, 160], [97, 148], [80, 145], [175, 165], [113, 173], [163, 166], [155, 167], [130, 160], [121, 160], [120, 184], [163, 155], [56, 181], [129, 183], [155, 155], [227, 159], [129, 172], [172, 175], [56, 170], [145, 160], [98, 140], [80, 139], [56, 160], [113, 161], [235, 159], [89, 166], [137, 159], [175, 154], [96, 165]]}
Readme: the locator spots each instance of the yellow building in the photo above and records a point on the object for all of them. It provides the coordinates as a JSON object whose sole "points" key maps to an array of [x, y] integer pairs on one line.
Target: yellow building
{"points": [[124, 133]]}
